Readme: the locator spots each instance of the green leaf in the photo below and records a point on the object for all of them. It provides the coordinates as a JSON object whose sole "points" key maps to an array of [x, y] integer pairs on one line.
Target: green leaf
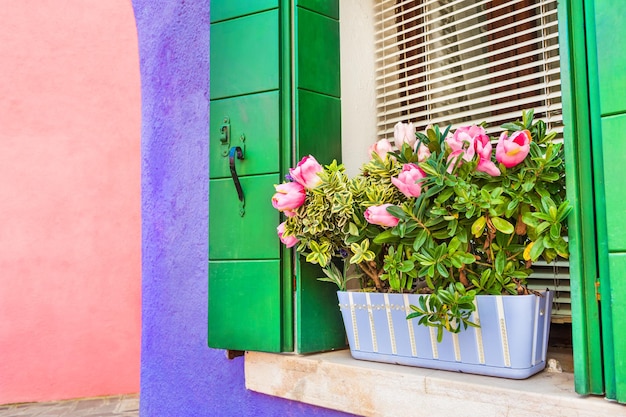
{"points": [[442, 270], [502, 225], [397, 212], [564, 210], [466, 258], [478, 226], [428, 169], [500, 262], [421, 237], [454, 245], [542, 227], [511, 206], [529, 219], [386, 236], [537, 249], [511, 126], [352, 229], [553, 212], [406, 266], [444, 195]]}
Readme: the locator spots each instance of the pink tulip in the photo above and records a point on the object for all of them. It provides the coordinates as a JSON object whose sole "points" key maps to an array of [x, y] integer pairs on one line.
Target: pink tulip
{"points": [[463, 140], [407, 181], [289, 241], [512, 151], [379, 215], [423, 153], [381, 148], [289, 196], [306, 172], [404, 133], [484, 150]]}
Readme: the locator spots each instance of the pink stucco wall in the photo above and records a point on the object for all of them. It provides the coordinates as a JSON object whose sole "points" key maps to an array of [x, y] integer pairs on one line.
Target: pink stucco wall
{"points": [[69, 199]]}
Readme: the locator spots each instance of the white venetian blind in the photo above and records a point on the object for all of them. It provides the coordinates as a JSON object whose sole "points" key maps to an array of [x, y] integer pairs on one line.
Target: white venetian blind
{"points": [[460, 61]]}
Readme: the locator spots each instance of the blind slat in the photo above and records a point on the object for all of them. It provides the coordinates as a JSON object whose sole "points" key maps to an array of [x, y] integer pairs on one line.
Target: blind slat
{"points": [[478, 57], [472, 11], [392, 41], [443, 78]]}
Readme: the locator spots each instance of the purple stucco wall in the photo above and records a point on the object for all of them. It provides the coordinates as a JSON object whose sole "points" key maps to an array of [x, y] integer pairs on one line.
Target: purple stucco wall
{"points": [[180, 375]]}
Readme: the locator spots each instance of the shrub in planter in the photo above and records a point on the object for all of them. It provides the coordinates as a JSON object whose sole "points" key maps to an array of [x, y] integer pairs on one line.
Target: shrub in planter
{"points": [[448, 213]]}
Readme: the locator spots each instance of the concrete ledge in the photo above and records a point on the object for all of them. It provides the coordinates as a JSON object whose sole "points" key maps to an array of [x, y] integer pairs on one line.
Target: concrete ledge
{"points": [[334, 380]]}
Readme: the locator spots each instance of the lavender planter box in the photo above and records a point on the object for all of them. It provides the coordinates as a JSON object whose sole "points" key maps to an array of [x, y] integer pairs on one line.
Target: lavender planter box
{"points": [[511, 342]]}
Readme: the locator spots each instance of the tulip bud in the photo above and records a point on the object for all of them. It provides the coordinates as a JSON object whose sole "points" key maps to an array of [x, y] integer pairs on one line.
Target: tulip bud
{"points": [[408, 180], [289, 196], [305, 173], [380, 216]]}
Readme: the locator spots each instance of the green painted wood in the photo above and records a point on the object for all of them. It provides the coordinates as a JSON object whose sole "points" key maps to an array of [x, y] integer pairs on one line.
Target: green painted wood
{"points": [[611, 66], [614, 150], [245, 267], [256, 117], [244, 55], [611, 32], [328, 8], [617, 266], [608, 346], [319, 326], [286, 159], [317, 53], [318, 126], [222, 10], [318, 132], [243, 310], [254, 66], [252, 236], [588, 375]]}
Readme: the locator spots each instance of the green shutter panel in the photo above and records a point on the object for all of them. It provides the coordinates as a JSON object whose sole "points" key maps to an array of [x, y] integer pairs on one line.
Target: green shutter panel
{"points": [[610, 116], [318, 132], [595, 114], [276, 99], [579, 175], [245, 285]]}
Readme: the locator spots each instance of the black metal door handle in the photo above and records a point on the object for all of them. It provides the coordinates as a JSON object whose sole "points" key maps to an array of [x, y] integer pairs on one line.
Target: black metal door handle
{"points": [[238, 152]]}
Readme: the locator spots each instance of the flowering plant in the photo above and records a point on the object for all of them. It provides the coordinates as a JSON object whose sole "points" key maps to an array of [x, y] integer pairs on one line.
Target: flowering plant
{"points": [[439, 213]]}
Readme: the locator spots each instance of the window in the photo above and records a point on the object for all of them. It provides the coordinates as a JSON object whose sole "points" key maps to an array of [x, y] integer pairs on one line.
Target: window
{"points": [[455, 61], [459, 61]]}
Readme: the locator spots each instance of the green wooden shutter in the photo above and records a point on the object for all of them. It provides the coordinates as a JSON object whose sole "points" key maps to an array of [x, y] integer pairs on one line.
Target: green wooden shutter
{"points": [[275, 95], [595, 115], [609, 115]]}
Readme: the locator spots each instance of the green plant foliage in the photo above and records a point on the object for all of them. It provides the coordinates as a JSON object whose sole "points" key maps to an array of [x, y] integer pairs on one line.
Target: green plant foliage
{"points": [[468, 232]]}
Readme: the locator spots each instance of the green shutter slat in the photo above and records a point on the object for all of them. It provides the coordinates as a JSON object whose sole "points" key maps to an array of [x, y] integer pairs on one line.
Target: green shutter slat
{"points": [[244, 55], [242, 305], [317, 53], [256, 118]]}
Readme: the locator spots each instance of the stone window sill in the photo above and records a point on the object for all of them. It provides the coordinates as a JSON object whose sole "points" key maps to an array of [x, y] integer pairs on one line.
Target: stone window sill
{"points": [[336, 381]]}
